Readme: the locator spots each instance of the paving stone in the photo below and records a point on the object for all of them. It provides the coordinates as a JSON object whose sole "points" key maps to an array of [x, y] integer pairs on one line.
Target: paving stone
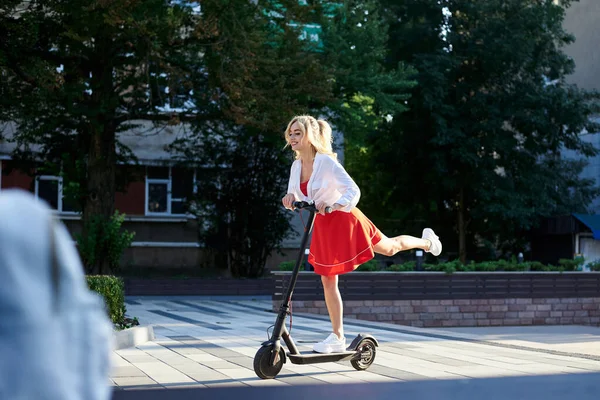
{"points": [[134, 381], [297, 379], [425, 356], [128, 371], [221, 364], [245, 362], [395, 373], [186, 385], [226, 383], [206, 343]]}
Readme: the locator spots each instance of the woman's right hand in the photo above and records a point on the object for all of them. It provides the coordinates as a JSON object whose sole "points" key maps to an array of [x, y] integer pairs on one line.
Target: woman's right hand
{"points": [[287, 201]]}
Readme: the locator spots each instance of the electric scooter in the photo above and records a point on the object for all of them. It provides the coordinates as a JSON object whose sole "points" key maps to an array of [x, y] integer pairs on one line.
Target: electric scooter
{"points": [[269, 359]]}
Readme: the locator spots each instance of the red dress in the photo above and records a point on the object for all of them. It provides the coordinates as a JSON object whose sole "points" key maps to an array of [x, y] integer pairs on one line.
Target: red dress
{"points": [[341, 241]]}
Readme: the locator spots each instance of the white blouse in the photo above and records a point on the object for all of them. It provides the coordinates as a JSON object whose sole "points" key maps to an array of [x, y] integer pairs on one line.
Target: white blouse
{"points": [[329, 183]]}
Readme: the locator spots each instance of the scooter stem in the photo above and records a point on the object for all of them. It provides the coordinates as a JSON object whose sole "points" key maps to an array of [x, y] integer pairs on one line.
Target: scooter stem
{"points": [[284, 308]]}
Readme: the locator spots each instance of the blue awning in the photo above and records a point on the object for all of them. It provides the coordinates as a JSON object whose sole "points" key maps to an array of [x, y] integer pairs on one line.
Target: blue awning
{"points": [[591, 221]]}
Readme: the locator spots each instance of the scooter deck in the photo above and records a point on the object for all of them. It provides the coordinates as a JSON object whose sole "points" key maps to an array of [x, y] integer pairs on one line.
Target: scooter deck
{"points": [[313, 358]]}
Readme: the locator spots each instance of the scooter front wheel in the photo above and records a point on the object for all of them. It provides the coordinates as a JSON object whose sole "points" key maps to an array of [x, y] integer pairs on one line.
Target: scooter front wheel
{"points": [[262, 363], [366, 355]]}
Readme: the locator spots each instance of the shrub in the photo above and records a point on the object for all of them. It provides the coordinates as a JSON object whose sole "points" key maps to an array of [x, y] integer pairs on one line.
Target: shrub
{"points": [[447, 267], [510, 266], [571, 265], [287, 265], [594, 265], [485, 266], [371, 265], [538, 266], [112, 289], [408, 266], [105, 236], [503, 265]]}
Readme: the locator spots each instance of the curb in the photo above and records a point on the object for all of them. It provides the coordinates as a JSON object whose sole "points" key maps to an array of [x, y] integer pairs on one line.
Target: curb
{"points": [[132, 337]]}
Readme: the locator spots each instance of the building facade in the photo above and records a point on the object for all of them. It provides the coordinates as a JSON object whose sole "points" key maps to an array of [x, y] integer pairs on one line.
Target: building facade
{"points": [[577, 235], [154, 202]]}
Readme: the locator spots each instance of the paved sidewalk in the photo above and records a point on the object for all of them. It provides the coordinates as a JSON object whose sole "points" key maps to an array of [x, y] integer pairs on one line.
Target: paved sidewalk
{"points": [[211, 342]]}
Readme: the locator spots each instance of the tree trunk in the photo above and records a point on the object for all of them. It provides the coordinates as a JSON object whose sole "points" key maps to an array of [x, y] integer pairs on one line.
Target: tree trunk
{"points": [[100, 199], [462, 241], [101, 162]]}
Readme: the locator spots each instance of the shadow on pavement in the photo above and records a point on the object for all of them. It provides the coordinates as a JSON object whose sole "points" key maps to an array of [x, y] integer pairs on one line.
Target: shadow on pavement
{"points": [[542, 387]]}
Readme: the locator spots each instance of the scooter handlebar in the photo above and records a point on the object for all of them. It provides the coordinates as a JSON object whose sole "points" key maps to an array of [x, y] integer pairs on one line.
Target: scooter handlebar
{"points": [[309, 206]]}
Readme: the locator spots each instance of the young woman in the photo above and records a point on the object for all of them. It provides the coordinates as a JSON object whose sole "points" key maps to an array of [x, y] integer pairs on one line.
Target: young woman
{"points": [[345, 238]]}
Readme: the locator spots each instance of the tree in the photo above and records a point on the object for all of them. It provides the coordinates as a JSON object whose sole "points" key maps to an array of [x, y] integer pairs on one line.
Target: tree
{"points": [[367, 92], [76, 73], [479, 149], [261, 74], [342, 76], [238, 200]]}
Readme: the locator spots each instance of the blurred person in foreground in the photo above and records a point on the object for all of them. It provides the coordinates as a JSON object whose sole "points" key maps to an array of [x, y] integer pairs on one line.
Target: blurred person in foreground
{"points": [[55, 335]]}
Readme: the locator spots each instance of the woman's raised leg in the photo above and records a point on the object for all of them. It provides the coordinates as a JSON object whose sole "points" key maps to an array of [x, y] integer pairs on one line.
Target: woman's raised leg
{"points": [[390, 246]]}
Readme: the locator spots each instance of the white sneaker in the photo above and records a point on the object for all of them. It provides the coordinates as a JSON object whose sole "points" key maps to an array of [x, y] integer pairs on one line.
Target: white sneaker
{"points": [[436, 245], [331, 345]]}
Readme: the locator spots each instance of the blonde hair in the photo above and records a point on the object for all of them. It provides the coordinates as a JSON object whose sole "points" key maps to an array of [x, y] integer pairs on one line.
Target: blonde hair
{"points": [[318, 132]]}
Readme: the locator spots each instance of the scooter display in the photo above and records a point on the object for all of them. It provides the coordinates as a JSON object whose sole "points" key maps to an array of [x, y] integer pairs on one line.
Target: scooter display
{"points": [[269, 359]]}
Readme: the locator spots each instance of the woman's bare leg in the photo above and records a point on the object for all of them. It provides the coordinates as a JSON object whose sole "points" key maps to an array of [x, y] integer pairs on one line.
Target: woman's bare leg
{"points": [[390, 246], [333, 300]]}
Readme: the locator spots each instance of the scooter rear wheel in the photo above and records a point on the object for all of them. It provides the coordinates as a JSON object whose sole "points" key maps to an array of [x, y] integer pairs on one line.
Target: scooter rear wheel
{"points": [[367, 350], [262, 363]]}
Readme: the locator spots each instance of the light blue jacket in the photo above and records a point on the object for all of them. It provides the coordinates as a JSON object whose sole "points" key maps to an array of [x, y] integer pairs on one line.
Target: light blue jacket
{"points": [[55, 337]]}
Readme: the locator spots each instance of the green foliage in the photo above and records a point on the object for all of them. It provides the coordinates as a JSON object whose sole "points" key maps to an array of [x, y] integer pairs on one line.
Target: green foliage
{"points": [[485, 266], [112, 289], [468, 96], [261, 75], [239, 198], [594, 266], [261, 72], [486, 123], [74, 74], [287, 265], [371, 265], [490, 266], [105, 237], [457, 266], [367, 92], [447, 267], [536, 266], [405, 267], [571, 264]]}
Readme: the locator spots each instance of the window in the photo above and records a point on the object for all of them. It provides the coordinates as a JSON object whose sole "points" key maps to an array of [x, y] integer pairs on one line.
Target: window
{"points": [[50, 189], [168, 190]]}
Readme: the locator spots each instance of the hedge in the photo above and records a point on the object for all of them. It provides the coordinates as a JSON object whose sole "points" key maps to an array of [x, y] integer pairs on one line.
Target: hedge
{"points": [[491, 266], [112, 289], [457, 266]]}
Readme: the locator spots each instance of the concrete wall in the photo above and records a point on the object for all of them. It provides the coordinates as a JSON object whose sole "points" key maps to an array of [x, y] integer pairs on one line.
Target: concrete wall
{"points": [[592, 170], [185, 257], [583, 21], [162, 257], [169, 255]]}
